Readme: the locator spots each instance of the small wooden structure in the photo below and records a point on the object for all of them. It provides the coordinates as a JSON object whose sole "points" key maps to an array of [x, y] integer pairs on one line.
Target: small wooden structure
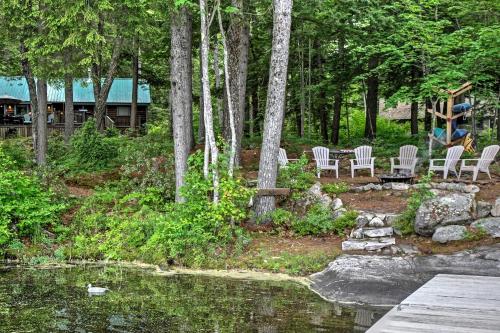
{"points": [[449, 117], [447, 303]]}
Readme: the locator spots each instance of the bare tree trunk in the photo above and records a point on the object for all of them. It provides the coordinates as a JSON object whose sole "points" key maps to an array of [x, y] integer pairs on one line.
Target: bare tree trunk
{"points": [[102, 87], [220, 114], [427, 119], [237, 42], [337, 104], [414, 118], [181, 94], [41, 154], [135, 86], [230, 106], [275, 103], [69, 112], [207, 105], [201, 119], [302, 91], [371, 101], [28, 74]]}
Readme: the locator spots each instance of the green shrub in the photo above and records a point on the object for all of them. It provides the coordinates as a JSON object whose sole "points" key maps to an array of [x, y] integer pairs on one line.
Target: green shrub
{"points": [[280, 218], [406, 221], [295, 177], [91, 150], [25, 207], [335, 188], [19, 152], [319, 220]]}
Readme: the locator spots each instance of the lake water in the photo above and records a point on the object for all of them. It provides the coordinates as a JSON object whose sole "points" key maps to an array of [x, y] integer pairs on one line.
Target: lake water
{"points": [[56, 300]]}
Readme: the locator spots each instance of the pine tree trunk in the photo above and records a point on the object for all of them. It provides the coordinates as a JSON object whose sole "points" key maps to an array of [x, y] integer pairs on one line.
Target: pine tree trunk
{"points": [[135, 87], [428, 116], [69, 112], [275, 103], [414, 118], [41, 153], [181, 94], [207, 105], [372, 101]]}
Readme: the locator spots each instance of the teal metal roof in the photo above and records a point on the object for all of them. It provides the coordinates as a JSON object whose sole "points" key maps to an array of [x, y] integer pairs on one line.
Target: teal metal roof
{"points": [[83, 91]]}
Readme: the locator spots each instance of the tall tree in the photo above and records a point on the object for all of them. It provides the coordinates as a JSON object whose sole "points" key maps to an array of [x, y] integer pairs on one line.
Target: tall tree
{"points": [[181, 90], [268, 165], [69, 113]]}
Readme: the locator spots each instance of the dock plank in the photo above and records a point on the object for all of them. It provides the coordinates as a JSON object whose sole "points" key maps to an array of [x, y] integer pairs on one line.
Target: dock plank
{"points": [[447, 303]]}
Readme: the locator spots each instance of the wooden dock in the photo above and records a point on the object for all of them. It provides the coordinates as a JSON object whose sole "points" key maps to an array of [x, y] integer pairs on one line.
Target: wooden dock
{"points": [[447, 303]]}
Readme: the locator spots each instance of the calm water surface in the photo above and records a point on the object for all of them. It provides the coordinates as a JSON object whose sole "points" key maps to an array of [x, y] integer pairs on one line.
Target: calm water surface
{"points": [[56, 300]]}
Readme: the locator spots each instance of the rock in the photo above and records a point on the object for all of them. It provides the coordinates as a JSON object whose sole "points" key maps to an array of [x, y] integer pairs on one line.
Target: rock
{"points": [[380, 216], [387, 280], [338, 213], [490, 224], [449, 233], [362, 220], [367, 244], [494, 255], [400, 186], [379, 232], [454, 208], [471, 188], [408, 249], [314, 195], [358, 189], [337, 203], [376, 222], [495, 211], [369, 216], [387, 186], [483, 209], [357, 233], [390, 219]]}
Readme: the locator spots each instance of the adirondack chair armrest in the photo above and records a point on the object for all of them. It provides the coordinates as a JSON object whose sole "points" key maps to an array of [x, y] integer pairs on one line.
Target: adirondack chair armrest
{"points": [[435, 160], [464, 161]]}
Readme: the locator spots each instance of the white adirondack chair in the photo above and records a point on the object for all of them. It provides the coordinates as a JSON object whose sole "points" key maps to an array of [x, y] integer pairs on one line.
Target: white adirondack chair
{"points": [[283, 160], [407, 159], [450, 162], [482, 164], [323, 161], [363, 160]]}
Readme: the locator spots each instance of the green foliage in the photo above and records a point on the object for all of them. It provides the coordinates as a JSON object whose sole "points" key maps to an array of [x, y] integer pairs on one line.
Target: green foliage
{"points": [[18, 152], [319, 220], [406, 221], [295, 176], [91, 150], [280, 218], [475, 234], [335, 188], [289, 263], [25, 207]]}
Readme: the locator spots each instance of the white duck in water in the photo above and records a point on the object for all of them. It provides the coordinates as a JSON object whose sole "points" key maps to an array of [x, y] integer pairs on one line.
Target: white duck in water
{"points": [[96, 290]]}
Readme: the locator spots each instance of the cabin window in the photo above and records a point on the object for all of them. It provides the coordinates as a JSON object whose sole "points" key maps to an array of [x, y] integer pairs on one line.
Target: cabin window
{"points": [[123, 111]]}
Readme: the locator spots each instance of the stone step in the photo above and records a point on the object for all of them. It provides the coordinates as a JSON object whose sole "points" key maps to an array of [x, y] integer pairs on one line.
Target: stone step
{"points": [[378, 232], [367, 244]]}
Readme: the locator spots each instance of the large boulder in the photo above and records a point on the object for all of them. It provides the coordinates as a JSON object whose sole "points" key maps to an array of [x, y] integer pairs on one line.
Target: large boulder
{"points": [[483, 209], [449, 233], [387, 280], [313, 196], [490, 224], [454, 208]]}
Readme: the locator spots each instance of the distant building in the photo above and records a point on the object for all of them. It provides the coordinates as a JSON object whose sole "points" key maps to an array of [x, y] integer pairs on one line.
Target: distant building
{"points": [[402, 112], [15, 102]]}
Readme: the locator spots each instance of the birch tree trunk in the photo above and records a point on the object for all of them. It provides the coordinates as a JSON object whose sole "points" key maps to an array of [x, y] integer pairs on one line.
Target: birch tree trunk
{"points": [[302, 91], [181, 94], [201, 120], [69, 113], [230, 106], [220, 114], [275, 103], [207, 105], [41, 153]]}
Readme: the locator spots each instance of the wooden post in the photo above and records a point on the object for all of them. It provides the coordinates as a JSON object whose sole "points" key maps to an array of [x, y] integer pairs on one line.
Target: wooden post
{"points": [[449, 114]]}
